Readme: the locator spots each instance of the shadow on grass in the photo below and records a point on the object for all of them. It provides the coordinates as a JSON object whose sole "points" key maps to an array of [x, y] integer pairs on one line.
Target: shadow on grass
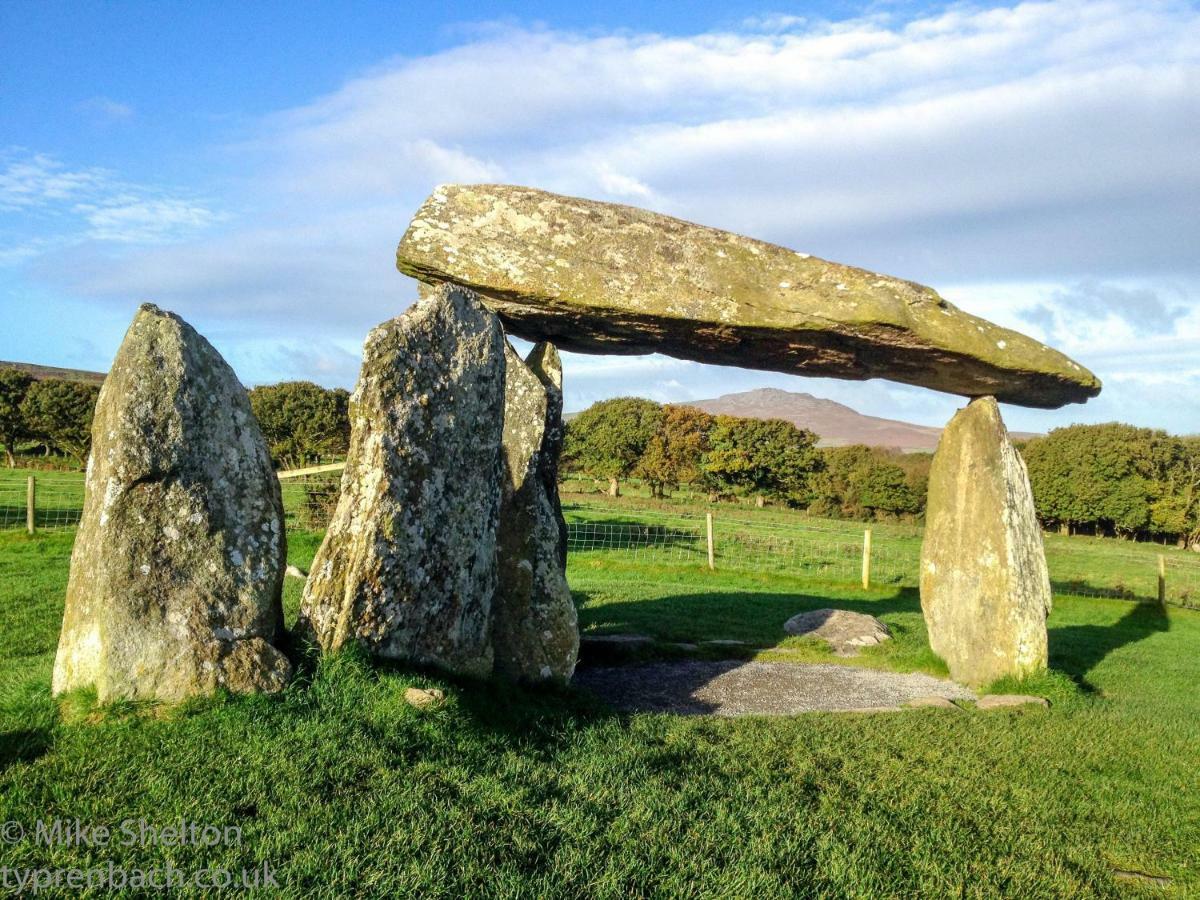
{"points": [[23, 745], [756, 616], [1078, 649]]}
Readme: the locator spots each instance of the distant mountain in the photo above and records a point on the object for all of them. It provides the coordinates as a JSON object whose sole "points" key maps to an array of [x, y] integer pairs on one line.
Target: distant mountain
{"points": [[41, 373], [836, 425]]}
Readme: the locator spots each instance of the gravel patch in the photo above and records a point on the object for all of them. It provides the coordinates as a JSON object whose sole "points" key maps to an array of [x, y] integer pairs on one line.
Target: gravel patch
{"points": [[738, 688]]}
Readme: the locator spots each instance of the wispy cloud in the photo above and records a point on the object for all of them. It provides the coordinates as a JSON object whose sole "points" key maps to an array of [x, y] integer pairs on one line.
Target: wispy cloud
{"points": [[61, 206], [1049, 145], [105, 110]]}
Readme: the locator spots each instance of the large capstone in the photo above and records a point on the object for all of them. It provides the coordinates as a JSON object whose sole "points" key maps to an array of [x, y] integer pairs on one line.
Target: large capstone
{"points": [[985, 589], [408, 566], [600, 278], [535, 631], [178, 562]]}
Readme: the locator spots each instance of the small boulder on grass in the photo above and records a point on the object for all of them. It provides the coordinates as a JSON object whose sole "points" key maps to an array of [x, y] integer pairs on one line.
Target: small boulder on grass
{"points": [[423, 697], [845, 632]]}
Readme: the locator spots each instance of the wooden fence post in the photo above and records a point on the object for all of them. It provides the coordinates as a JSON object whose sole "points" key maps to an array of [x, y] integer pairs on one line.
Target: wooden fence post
{"points": [[866, 562], [1162, 580], [31, 505], [709, 522]]}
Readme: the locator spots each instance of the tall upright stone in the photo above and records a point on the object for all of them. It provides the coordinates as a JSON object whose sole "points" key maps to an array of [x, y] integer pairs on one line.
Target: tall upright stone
{"points": [[178, 563], [545, 363], [985, 589], [535, 632], [408, 565]]}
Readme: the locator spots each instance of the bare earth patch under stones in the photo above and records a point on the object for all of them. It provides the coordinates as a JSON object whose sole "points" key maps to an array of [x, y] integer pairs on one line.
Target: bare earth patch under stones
{"points": [[739, 688]]}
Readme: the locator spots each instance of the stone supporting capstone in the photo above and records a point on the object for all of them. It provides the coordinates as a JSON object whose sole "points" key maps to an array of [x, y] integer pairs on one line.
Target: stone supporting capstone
{"points": [[534, 629], [407, 568], [985, 589], [178, 563]]}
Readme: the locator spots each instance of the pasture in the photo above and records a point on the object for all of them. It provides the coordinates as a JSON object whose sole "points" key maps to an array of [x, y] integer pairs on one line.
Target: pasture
{"points": [[340, 787]]}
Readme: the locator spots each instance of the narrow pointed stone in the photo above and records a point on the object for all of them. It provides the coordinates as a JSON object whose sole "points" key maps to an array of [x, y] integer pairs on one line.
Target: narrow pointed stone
{"points": [[407, 568], [178, 563], [534, 628], [985, 588]]}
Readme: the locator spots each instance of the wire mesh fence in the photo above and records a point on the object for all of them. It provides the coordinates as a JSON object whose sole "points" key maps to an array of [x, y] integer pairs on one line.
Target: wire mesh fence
{"points": [[45, 499], [826, 550]]}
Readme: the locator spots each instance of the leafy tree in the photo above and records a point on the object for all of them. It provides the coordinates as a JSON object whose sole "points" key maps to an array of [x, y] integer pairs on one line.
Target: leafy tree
{"points": [[1177, 509], [60, 413], [1106, 476], [766, 458], [608, 439], [674, 453], [865, 482], [882, 487], [14, 384], [301, 421]]}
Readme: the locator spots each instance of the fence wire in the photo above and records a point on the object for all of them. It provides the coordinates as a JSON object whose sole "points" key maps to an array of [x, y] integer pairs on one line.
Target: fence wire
{"points": [[826, 550]]}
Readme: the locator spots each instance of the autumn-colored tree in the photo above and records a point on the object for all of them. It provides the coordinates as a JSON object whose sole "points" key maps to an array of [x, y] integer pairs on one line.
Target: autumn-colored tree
{"points": [[608, 439], [674, 453]]}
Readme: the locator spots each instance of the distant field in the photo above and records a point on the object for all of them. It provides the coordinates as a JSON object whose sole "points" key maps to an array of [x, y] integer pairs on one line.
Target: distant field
{"points": [[769, 540]]}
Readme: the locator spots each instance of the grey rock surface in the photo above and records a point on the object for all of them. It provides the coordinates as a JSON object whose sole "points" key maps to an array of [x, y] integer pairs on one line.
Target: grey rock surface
{"points": [[535, 634], [408, 565], [178, 563], [601, 278], [736, 688], [985, 588], [1009, 701], [846, 632]]}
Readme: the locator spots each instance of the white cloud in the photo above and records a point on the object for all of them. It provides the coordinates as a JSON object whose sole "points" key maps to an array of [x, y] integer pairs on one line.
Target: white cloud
{"points": [[71, 205], [1009, 155], [105, 110]]}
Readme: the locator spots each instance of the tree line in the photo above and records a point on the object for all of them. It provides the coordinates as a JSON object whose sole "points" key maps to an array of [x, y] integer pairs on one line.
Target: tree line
{"points": [[53, 415], [668, 447], [301, 422], [1111, 479]]}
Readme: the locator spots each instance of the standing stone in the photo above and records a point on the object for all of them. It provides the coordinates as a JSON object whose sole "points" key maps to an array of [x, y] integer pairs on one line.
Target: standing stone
{"points": [[408, 565], [178, 563], [535, 631], [545, 363], [985, 589]]}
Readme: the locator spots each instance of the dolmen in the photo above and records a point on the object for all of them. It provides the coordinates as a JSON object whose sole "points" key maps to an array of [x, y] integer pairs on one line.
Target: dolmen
{"points": [[604, 278], [447, 547]]}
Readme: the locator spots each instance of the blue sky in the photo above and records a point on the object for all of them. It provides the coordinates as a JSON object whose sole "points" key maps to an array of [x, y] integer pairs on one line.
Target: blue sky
{"points": [[252, 166]]}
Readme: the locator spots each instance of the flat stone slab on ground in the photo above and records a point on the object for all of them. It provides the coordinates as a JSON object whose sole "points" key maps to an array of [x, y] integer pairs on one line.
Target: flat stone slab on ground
{"points": [[846, 632], [737, 688], [1007, 701]]}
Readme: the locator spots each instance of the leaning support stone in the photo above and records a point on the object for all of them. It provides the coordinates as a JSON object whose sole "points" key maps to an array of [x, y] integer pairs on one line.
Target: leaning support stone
{"points": [[408, 565], [535, 631], [985, 589], [178, 563]]}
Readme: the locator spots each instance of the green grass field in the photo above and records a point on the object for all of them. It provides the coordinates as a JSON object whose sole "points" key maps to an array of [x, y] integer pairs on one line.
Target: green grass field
{"points": [[342, 788]]}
